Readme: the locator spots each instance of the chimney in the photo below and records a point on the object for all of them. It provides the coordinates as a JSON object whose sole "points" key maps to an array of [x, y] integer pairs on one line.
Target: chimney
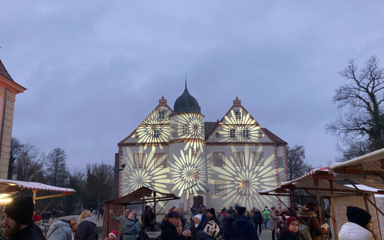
{"points": [[237, 102], [163, 101]]}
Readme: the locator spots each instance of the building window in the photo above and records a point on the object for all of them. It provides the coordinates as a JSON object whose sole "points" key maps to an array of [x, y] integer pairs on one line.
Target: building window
{"points": [[238, 115], [174, 131], [259, 134], [218, 159], [139, 160], [280, 162], [243, 188], [156, 133], [258, 159], [160, 160], [245, 133], [195, 129], [220, 188], [238, 158], [161, 114], [232, 133], [185, 130]]}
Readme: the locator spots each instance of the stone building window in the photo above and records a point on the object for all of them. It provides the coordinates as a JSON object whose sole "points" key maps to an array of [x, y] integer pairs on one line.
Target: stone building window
{"points": [[232, 133], [220, 188], [258, 158], [280, 162], [218, 159], [238, 158], [161, 114], [243, 188], [139, 160], [160, 160]]}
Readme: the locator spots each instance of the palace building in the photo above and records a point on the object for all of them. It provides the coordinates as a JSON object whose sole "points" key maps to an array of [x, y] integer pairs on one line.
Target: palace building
{"points": [[214, 164]]}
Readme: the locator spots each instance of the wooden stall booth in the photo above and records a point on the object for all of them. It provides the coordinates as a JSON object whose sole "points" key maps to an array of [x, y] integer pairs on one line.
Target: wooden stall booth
{"points": [[142, 196], [319, 184]]}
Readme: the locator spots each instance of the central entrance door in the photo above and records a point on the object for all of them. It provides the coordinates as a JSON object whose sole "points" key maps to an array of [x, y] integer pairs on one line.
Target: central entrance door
{"points": [[197, 201]]}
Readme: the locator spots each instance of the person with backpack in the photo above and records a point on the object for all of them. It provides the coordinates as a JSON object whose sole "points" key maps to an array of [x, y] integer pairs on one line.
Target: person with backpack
{"points": [[267, 216], [309, 218], [292, 231], [60, 230]]}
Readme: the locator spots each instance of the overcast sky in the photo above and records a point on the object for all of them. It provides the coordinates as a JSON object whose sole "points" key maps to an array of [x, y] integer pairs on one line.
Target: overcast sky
{"points": [[95, 69]]}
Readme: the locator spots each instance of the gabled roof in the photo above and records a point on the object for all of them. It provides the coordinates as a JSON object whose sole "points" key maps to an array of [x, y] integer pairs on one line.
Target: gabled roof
{"points": [[209, 127], [273, 137], [4, 72]]}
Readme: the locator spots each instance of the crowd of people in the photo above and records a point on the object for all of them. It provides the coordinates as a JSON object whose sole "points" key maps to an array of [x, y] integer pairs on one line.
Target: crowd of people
{"points": [[237, 223]]}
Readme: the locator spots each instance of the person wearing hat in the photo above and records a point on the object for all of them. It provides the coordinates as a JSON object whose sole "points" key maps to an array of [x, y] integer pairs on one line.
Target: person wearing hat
{"points": [[37, 219], [243, 227], [292, 230], [131, 228], [171, 228], [359, 225], [17, 222], [196, 226], [112, 235], [60, 230], [184, 221]]}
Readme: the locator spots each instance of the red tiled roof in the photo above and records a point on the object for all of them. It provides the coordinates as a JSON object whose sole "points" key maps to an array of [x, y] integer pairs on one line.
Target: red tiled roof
{"points": [[4, 71]]}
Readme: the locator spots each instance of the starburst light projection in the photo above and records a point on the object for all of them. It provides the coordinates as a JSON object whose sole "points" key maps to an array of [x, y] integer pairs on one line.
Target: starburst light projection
{"points": [[145, 168], [187, 171], [154, 130], [240, 184], [189, 127], [238, 128]]}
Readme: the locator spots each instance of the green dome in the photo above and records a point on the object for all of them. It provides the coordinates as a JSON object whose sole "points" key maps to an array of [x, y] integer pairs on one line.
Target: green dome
{"points": [[186, 103]]}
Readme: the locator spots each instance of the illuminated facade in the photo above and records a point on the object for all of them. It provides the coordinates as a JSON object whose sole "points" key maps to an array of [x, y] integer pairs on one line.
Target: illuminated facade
{"points": [[215, 164]]}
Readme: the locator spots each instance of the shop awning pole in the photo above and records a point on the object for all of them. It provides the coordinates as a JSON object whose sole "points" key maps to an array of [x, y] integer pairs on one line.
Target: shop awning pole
{"points": [[282, 202], [333, 211]]}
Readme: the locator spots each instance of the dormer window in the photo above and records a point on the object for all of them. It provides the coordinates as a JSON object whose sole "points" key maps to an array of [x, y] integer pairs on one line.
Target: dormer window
{"points": [[185, 130], [238, 115], [161, 114], [156, 133], [195, 129]]}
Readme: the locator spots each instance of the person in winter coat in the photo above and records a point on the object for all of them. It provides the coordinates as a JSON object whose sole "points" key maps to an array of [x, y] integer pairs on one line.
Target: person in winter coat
{"points": [[267, 216], [228, 228], [292, 230], [131, 228], [121, 219], [60, 230], [17, 222], [244, 229], [309, 216], [220, 220], [147, 219], [196, 226], [184, 222], [111, 236], [171, 228], [251, 214], [359, 225], [258, 220], [87, 229], [273, 223]]}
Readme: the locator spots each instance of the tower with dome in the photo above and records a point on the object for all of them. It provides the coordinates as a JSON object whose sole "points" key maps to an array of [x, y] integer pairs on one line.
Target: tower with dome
{"points": [[216, 164]]}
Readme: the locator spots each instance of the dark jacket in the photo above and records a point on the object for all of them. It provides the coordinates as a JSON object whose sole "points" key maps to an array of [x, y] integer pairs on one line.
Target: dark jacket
{"points": [[29, 233], [310, 217], [87, 230], [257, 218], [287, 235], [228, 228], [244, 229], [147, 218], [195, 230], [168, 232]]}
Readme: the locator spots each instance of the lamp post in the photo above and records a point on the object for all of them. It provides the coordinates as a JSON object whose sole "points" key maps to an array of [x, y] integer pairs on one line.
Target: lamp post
{"points": [[117, 170]]}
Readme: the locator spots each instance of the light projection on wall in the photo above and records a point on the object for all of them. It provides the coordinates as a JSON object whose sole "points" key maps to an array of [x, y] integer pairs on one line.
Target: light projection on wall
{"points": [[242, 177], [239, 126], [154, 130], [187, 171], [190, 128]]}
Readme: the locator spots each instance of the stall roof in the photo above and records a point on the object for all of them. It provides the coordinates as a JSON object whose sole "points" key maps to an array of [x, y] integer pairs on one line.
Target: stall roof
{"points": [[136, 197], [7, 185], [367, 169], [316, 181]]}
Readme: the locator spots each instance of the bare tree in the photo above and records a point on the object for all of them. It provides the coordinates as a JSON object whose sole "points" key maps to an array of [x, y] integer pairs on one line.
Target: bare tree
{"points": [[57, 171], [100, 182], [29, 162], [363, 94], [297, 166]]}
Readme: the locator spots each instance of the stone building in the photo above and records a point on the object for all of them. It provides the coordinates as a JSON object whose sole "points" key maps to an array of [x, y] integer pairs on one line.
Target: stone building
{"points": [[215, 164], [8, 91]]}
